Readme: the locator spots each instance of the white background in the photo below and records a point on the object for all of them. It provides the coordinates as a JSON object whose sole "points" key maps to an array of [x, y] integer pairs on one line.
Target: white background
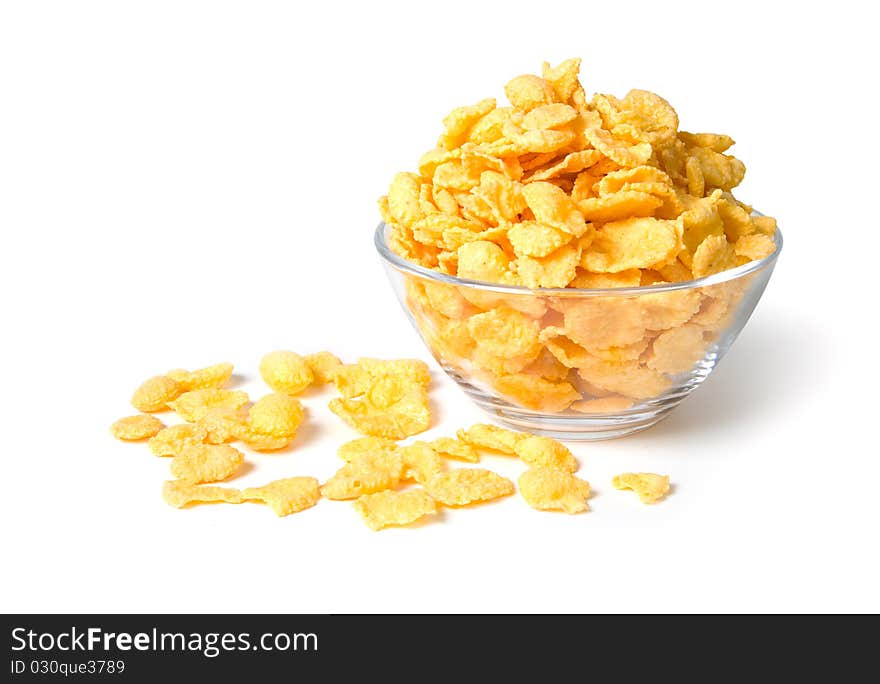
{"points": [[183, 183]]}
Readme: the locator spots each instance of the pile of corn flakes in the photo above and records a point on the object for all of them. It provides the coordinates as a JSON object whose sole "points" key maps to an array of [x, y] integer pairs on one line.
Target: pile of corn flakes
{"points": [[561, 191], [391, 484]]}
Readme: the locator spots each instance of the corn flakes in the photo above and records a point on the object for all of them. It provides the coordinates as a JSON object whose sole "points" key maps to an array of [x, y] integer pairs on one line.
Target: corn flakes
{"points": [[195, 405], [455, 448], [550, 489], [420, 462], [222, 425], [365, 474], [541, 451], [633, 243], [677, 350], [290, 495], [198, 463], [365, 445], [170, 441], [286, 371], [136, 428], [156, 393], [203, 378], [178, 493], [611, 404], [528, 92], [491, 437], [534, 392], [462, 486], [276, 415], [390, 508], [649, 486]]}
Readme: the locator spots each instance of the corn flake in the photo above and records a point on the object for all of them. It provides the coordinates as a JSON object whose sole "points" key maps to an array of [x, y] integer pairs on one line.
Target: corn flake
{"points": [[649, 486], [365, 474], [627, 378], [554, 270], [714, 254], [611, 404], [552, 207], [420, 462], [195, 405], [755, 246], [323, 366], [403, 198], [491, 437], [459, 122], [156, 393], [537, 450], [203, 378], [462, 486], [455, 448], [408, 415], [633, 243], [354, 380], [179, 494], [172, 440], [677, 349], [563, 78], [505, 333], [222, 425], [290, 495], [206, 463], [386, 509], [550, 489], [286, 371], [136, 428], [535, 392], [528, 92], [276, 415], [365, 446]]}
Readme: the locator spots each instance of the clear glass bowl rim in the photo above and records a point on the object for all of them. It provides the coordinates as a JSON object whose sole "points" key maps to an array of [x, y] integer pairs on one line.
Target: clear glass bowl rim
{"points": [[402, 264]]}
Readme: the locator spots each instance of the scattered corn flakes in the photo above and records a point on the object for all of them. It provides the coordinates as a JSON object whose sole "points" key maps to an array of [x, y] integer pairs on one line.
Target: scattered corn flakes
{"points": [[465, 486], [550, 489], [135, 428], [198, 463], [649, 486], [384, 509], [290, 495]]}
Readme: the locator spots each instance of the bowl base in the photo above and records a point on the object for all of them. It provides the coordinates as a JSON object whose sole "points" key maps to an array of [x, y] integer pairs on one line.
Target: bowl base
{"points": [[578, 428]]}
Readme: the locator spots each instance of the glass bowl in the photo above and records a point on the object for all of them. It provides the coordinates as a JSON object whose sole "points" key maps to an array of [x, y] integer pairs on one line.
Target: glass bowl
{"points": [[577, 364]]}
